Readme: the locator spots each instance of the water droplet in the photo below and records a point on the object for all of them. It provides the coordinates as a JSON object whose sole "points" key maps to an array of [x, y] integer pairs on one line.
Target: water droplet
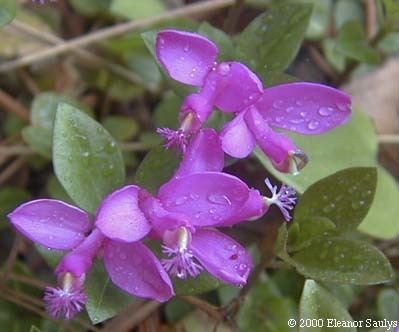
{"points": [[223, 69], [219, 199], [186, 48], [313, 125], [325, 111], [290, 109], [297, 121], [180, 200], [279, 119], [212, 210], [343, 107], [299, 102], [278, 104], [303, 114]]}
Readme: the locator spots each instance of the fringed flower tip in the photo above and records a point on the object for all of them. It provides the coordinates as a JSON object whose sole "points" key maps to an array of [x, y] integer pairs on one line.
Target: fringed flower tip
{"points": [[285, 198], [64, 303], [180, 263], [174, 138]]}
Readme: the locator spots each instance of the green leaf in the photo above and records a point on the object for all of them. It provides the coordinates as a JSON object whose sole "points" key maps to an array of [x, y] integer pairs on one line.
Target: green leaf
{"points": [[8, 10], [345, 293], [390, 43], [336, 59], [91, 8], [39, 139], [157, 167], [55, 189], [339, 260], [344, 198], [122, 128], [137, 9], [193, 286], [272, 40], [318, 24], [167, 111], [105, 299], [345, 11], [265, 300], [87, 160], [145, 66], [51, 256], [272, 78], [220, 38], [351, 145], [176, 309], [10, 198], [317, 303], [352, 42], [388, 304], [44, 108]]}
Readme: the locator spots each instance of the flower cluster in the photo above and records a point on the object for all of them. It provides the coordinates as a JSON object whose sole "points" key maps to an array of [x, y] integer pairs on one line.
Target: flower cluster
{"points": [[199, 198], [304, 108]]}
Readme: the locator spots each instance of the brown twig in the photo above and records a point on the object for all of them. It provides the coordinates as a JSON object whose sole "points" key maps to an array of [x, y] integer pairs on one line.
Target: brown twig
{"points": [[204, 306], [115, 31], [11, 169], [321, 62], [89, 58], [11, 105], [15, 150], [371, 18], [134, 317], [388, 139], [233, 16], [12, 256], [27, 280]]}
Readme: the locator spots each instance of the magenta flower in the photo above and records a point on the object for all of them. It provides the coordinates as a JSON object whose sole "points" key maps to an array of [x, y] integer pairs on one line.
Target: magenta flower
{"points": [[130, 264], [187, 209], [304, 108]]}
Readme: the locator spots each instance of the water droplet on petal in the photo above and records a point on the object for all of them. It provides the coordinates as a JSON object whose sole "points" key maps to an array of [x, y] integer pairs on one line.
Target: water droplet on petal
{"points": [[219, 199], [313, 125], [325, 111], [279, 119], [278, 104], [181, 200]]}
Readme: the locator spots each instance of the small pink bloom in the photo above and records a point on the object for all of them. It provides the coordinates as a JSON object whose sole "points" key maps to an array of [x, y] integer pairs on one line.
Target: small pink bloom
{"points": [[58, 225], [304, 108]]}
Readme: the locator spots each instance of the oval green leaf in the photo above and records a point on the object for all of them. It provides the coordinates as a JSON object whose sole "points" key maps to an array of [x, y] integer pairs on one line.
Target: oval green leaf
{"points": [[87, 160]]}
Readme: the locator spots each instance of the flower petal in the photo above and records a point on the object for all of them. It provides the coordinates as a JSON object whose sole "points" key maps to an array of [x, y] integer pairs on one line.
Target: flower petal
{"points": [[136, 270], [204, 154], [187, 57], [161, 219], [120, 217], [221, 256], [237, 139], [51, 223], [278, 147], [305, 108], [253, 208], [207, 198], [80, 259], [238, 87]]}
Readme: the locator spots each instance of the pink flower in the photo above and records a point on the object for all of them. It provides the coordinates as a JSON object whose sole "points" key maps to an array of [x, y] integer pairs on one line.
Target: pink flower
{"points": [[304, 108], [130, 264], [187, 209]]}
